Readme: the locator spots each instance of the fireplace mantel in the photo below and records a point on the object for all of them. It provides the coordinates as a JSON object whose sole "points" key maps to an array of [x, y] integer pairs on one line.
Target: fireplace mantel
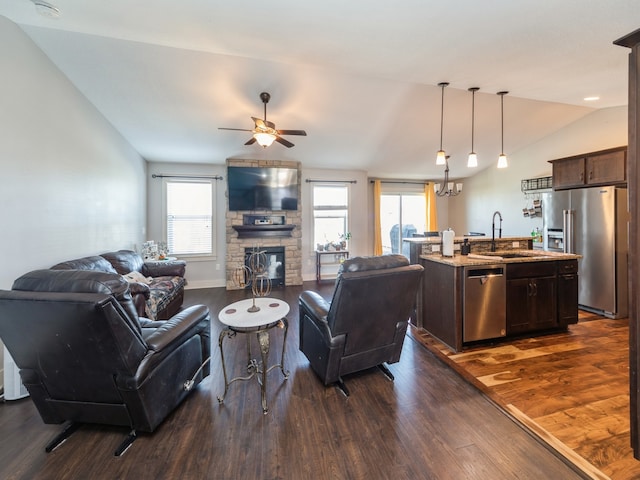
{"points": [[256, 231]]}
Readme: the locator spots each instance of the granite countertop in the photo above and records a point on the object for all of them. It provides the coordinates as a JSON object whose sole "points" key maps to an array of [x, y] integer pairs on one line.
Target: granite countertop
{"points": [[472, 239], [489, 258]]}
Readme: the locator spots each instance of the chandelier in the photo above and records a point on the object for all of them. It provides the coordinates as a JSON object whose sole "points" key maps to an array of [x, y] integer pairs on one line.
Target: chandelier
{"points": [[447, 188]]}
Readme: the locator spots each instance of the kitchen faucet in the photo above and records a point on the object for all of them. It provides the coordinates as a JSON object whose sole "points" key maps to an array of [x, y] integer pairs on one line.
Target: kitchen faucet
{"points": [[493, 229]]}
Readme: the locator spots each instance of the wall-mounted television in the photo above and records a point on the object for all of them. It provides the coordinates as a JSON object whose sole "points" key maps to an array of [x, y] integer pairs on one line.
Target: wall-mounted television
{"points": [[262, 188]]}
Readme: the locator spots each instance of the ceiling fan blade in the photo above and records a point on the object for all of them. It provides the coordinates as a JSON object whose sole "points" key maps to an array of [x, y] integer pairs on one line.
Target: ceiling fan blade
{"points": [[251, 141], [292, 132], [237, 129], [284, 142]]}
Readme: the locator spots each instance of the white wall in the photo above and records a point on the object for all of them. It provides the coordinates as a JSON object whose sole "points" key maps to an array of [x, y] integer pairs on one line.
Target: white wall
{"points": [[71, 186], [360, 215], [494, 189], [201, 273], [211, 272]]}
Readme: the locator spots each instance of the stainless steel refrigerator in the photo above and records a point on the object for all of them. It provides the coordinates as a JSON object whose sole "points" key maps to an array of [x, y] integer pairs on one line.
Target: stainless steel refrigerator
{"points": [[592, 222]]}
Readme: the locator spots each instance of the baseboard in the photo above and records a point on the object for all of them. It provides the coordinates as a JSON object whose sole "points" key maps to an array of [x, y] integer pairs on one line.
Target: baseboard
{"points": [[196, 284]]}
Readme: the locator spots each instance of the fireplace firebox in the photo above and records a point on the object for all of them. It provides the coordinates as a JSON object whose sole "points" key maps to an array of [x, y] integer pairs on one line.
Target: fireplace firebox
{"points": [[275, 263]]}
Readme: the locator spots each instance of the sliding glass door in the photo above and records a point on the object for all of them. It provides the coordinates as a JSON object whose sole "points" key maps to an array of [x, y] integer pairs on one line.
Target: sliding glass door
{"points": [[401, 215]]}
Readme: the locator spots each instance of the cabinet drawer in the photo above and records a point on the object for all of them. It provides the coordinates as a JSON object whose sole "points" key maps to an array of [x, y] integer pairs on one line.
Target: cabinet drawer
{"points": [[567, 266], [531, 269]]}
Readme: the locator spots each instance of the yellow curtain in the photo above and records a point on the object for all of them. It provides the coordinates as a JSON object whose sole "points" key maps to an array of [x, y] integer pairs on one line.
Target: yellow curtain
{"points": [[377, 226], [432, 213]]}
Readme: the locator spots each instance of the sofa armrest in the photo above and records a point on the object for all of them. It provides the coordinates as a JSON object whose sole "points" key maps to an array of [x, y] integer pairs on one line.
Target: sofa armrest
{"points": [[168, 338], [316, 308], [139, 288], [314, 304], [184, 324], [171, 268]]}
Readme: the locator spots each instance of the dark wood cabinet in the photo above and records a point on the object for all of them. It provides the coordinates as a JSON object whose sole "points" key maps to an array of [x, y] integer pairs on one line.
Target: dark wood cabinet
{"points": [[531, 297], [568, 292], [606, 167], [540, 295], [568, 173]]}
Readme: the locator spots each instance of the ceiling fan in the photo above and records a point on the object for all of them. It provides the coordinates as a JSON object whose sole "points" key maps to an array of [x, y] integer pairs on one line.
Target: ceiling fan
{"points": [[265, 132]]}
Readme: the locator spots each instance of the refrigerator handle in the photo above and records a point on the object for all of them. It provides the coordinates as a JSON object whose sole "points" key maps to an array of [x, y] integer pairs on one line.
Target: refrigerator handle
{"points": [[567, 231]]}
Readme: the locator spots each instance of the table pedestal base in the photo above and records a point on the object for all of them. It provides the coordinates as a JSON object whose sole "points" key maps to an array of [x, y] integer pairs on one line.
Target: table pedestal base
{"points": [[255, 368]]}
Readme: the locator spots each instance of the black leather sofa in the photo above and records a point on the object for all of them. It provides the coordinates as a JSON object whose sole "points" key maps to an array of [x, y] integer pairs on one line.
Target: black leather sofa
{"points": [[159, 293]]}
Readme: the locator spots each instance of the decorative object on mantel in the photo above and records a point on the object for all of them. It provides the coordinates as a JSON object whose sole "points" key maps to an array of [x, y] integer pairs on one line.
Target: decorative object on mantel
{"points": [[255, 226], [264, 132], [255, 275]]}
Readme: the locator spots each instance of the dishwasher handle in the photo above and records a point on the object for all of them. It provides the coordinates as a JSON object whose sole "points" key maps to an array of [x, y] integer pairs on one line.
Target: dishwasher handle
{"points": [[485, 272]]}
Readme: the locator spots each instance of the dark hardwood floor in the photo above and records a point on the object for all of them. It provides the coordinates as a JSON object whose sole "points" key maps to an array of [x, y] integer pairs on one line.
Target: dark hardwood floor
{"points": [[429, 424]]}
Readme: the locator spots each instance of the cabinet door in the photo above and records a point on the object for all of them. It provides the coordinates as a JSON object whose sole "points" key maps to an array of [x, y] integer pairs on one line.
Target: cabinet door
{"points": [[568, 173], [567, 299], [543, 303], [607, 168], [518, 309], [531, 304]]}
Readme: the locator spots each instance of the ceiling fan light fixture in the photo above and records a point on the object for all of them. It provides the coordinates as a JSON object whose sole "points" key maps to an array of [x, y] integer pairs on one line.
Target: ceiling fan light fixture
{"points": [[441, 157], [264, 139]]}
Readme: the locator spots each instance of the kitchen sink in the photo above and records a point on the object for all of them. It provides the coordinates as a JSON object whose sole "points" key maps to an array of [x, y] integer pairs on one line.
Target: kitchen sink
{"points": [[524, 254]]}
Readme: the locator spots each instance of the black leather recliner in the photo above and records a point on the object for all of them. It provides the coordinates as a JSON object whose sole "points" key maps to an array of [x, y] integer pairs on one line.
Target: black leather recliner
{"points": [[86, 357], [365, 323]]}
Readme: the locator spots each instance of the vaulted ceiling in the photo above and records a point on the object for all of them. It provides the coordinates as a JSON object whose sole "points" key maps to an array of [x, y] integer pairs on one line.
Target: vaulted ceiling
{"points": [[360, 77]]}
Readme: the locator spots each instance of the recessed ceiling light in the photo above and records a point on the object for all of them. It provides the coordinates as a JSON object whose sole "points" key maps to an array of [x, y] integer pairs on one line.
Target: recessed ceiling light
{"points": [[46, 9], [591, 99]]}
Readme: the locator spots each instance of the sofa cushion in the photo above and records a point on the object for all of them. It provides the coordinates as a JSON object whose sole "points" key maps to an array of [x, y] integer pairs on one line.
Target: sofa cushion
{"points": [[94, 262], [136, 276], [124, 261], [81, 281], [162, 291]]}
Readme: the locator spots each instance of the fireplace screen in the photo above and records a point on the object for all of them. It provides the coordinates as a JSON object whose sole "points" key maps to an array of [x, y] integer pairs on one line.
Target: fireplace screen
{"points": [[275, 262]]}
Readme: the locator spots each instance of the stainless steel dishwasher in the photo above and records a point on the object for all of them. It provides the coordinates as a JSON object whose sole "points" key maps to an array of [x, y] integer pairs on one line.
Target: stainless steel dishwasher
{"points": [[485, 302]]}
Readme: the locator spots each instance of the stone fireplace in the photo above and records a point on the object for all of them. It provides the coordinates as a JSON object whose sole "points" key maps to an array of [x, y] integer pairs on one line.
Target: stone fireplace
{"points": [[264, 230]]}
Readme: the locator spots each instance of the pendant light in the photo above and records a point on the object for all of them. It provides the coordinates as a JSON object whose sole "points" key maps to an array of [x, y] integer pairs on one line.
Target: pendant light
{"points": [[502, 159], [441, 157], [473, 158]]}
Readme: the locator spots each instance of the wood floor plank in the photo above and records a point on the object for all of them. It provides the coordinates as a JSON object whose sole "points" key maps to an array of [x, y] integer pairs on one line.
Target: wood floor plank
{"points": [[428, 423], [572, 387]]}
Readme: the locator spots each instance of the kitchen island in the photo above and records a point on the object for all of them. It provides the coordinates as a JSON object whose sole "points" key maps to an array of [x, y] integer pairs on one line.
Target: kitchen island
{"points": [[491, 295]]}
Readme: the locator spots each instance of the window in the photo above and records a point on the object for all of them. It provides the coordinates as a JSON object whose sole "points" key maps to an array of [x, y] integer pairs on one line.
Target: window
{"points": [[190, 217], [330, 207], [401, 215]]}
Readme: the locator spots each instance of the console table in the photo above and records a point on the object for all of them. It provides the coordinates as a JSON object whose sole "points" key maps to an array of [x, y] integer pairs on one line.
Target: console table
{"points": [[339, 257]]}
